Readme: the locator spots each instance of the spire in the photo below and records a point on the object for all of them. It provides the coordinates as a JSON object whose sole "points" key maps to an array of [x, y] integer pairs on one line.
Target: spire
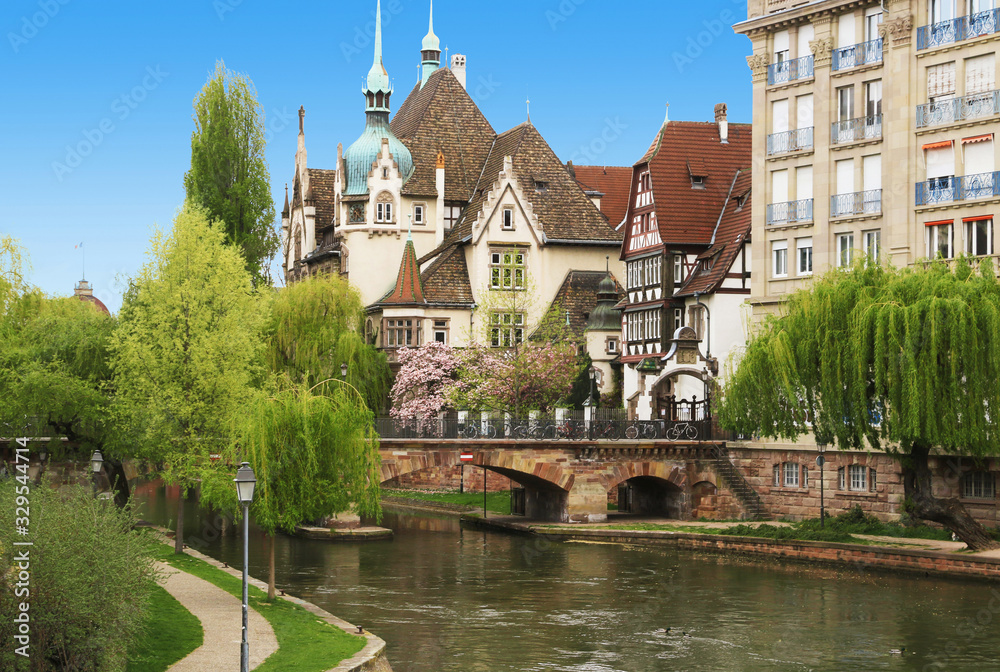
{"points": [[528, 104], [287, 209], [666, 119], [430, 51], [408, 289], [378, 88]]}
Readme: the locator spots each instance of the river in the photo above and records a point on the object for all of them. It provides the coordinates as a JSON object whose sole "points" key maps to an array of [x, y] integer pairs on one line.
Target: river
{"points": [[448, 598]]}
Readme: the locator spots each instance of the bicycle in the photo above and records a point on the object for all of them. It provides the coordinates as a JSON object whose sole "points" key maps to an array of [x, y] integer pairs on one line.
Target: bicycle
{"points": [[681, 430], [639, 428], [475, 430]]}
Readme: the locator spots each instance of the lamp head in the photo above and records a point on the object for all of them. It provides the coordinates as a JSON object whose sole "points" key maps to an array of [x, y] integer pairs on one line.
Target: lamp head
{"points": [[96, 460], [343, 370], [245, 483]]}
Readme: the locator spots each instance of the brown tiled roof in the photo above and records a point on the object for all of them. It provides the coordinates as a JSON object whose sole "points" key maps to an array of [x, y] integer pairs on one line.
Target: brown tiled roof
{"points": [[565, 212], [95, 302], [322, 185], [446, 280], [578, 295], [442, 117], [615, 182], [686, 215], [408, 289], [731, 232]]}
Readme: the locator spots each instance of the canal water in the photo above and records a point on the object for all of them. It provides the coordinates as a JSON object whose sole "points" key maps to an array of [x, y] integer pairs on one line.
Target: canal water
{"points": [[448, 598]]}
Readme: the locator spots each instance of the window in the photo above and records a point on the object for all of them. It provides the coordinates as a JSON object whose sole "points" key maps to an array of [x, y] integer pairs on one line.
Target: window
{"points": [[402, 333], [781, 50], [805, 476], [978, 485], [979, 235], [383, 212], [805, 255], [776, 480], [441, 331], [842, 479], [779, 251], [611, 346], [508, 219], [858, 475], [942, 10], [507, 269], [452, 213], [845, 103], [678, 269], [939, 239], [385, 173], [980, 76], [873, 245], [678, 318], [506, 329], [541, 187], [872, 480], [697, 181], [845, 250], [873, 19], [791, 475], [873, 99], [978, 156], [418, 215], [941, 82]]}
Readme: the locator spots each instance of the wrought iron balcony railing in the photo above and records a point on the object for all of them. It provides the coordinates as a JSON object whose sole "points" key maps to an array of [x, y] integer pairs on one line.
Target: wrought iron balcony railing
{"points": [[793, 211], [859, 203], [948, 189], [853, 130], [790, 141], [952, 110], [858, 54], [789, 71], [956, 30]]}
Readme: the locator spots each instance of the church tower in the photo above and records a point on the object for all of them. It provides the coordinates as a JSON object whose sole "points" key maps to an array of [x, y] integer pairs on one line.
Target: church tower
{"points": [[430, 51]]}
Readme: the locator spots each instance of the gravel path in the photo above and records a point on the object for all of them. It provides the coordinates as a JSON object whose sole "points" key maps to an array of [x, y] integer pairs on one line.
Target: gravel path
{"points": [[221, 617]]}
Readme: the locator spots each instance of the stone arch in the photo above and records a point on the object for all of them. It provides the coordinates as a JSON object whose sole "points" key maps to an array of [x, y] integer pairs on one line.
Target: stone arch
{"points": [[672, 472], [651, 488]]}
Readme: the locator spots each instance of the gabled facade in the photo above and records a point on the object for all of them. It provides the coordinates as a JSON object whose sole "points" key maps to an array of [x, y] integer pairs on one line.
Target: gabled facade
{"points": [[683, 248]]}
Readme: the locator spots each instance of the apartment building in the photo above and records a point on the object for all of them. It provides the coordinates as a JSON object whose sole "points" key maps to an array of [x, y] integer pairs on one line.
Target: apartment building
{"points": [[873, 131]]}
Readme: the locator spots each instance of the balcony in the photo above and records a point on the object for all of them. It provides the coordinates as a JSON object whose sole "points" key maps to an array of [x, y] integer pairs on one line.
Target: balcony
{"points": [[790, 141], [789, 71], [854, 130], [865, 53], [791, 212], [956, 30], [950, 189], [956, 110], [859, 203]]}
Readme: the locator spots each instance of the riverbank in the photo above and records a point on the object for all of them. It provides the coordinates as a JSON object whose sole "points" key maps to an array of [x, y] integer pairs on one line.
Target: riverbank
{"points": [[447, 502], [917, 556]]}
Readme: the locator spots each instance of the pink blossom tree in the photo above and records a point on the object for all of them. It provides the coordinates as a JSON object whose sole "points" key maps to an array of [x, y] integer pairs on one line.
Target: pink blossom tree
{"points": [[425, 375]]}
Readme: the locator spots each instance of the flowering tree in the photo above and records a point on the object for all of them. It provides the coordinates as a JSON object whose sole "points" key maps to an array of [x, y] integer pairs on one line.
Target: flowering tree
{"points": [[421, 387]]}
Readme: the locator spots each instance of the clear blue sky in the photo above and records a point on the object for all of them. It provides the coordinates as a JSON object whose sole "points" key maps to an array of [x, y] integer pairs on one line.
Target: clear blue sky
{"points": [[118, 79]]}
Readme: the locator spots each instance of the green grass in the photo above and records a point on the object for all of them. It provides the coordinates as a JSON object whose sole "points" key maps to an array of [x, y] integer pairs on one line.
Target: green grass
{"points": [[793, 532], [171, 633], [305, 643], [497, 502]]}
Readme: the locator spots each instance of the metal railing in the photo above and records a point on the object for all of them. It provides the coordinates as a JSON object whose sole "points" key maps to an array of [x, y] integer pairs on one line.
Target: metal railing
{"points": [[790, 141], [956, 30], [859, 203], [953, 110], [792, 211], [864, 53], [789, 71], [948, 189], [854, 130]]}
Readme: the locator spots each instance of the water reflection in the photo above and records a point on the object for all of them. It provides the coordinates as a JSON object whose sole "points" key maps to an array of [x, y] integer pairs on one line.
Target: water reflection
{"points": [[447, 598]]}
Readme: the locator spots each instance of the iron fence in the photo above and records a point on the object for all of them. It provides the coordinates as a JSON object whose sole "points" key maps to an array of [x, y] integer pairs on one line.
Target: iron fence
{"points": [[864, 53], [695, 425], [790, 141], [854, 130], [792, 211], [790, 71], [859, 203], [952, 110], [948, 189], [956, 30]]}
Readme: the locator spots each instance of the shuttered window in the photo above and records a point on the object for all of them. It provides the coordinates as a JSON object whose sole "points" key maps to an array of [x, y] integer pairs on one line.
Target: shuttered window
{"points": [[804, 111], [940, 162], [980, 74], [941, 80], [779, 115], [804, 183], [978, 156]]}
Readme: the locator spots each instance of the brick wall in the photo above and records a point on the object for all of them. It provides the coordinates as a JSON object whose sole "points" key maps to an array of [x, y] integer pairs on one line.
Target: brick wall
{"points": [[448, 478]]}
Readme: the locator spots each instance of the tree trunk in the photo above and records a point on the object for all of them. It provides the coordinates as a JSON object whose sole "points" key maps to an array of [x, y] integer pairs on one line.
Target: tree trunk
{"points": [[948, 512], [179, 537], [270, 569], [119, 482]]}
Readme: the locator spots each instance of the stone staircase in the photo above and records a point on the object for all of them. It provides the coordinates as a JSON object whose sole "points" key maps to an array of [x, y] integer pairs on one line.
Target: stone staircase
{"points": [[741, 489]]}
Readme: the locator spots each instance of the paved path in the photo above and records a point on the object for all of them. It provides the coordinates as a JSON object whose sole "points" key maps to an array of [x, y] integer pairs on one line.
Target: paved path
{"points": [[221, 617]]}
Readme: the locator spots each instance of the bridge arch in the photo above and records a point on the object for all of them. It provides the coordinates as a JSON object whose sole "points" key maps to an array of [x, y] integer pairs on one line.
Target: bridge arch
{"points": [[650, 488]]}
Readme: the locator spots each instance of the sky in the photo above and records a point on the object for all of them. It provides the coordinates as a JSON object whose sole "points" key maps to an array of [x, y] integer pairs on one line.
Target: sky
{"points": [[96, 109]]}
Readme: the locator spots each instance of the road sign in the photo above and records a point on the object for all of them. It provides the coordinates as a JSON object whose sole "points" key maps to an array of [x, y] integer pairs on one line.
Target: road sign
{"points": [[466, 457], [820, 461]]}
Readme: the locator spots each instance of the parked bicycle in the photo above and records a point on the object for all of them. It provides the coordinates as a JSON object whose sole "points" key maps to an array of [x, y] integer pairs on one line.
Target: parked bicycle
{"points": [[682, 430], [641, 429], [477, 430]]}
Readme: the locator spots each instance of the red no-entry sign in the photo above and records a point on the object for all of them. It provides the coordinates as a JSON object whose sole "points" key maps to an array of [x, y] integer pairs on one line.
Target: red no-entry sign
{"points": [[466, 457]]}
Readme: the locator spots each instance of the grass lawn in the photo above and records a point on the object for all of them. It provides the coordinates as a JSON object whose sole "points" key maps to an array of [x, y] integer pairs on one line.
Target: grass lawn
{"points": [[172, 632], [305, 643], [497, 502]]}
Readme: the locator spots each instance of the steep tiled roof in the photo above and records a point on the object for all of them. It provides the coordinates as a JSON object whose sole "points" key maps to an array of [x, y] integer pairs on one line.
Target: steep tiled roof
{"points": [[563, 209], [322, 188], [446, 280], [408, 289], [442, 117], [615, 182], [686, 215], [732, 230], [578, 295]]}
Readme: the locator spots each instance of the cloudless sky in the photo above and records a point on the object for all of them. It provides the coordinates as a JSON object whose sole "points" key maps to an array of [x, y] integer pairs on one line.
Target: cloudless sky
{"points": [[96, 102]]}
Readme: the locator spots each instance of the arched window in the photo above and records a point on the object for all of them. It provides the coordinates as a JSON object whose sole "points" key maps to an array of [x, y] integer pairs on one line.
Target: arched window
{"points": [[384, 210]]}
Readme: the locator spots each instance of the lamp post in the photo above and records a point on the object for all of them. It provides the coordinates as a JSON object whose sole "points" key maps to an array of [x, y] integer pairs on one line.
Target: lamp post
{"points": [[343, 370], [96, 462], [245, 482], [821, 460]]}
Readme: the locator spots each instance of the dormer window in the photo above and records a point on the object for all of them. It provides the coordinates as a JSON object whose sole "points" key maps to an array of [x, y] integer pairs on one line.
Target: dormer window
{"points": [[541, 187], [697, 181]]}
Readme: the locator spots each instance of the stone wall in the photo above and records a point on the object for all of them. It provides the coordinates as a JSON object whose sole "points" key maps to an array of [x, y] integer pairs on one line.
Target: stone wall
{"points": [[448, 478], [884, 498]]}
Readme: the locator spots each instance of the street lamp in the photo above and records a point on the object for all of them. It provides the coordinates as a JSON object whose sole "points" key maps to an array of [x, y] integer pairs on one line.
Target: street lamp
{"points": [[96, 460], [343, 370], [821, 460], [245, 482], [593, 379]]}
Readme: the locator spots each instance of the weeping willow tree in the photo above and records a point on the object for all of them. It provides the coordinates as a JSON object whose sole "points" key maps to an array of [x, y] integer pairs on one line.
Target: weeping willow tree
{"points": [[315, 327], [314, 453], [13, 263], [901, 360]]}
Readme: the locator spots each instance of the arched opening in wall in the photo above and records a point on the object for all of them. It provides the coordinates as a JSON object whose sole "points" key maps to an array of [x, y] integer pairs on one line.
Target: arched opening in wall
{"points": [[541, 500], [648, 496], [703, 500]]}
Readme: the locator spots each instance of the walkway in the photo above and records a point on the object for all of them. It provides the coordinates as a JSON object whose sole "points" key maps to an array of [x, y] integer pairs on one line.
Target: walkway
{"points": [[221, 617]]}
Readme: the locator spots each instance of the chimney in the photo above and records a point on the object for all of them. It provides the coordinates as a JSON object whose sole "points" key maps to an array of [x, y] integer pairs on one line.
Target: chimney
{"points": [[723, 122], [458, 68]]}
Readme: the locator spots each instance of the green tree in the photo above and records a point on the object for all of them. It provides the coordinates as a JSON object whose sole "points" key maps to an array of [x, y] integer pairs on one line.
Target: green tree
{"points": [[91, 577], [187, 351], [900, 360], [229, 175], [13, 264], [315, 327]]}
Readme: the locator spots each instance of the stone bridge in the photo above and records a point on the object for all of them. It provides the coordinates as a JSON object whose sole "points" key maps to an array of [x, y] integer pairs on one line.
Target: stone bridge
{"points": [[569, 481]]}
